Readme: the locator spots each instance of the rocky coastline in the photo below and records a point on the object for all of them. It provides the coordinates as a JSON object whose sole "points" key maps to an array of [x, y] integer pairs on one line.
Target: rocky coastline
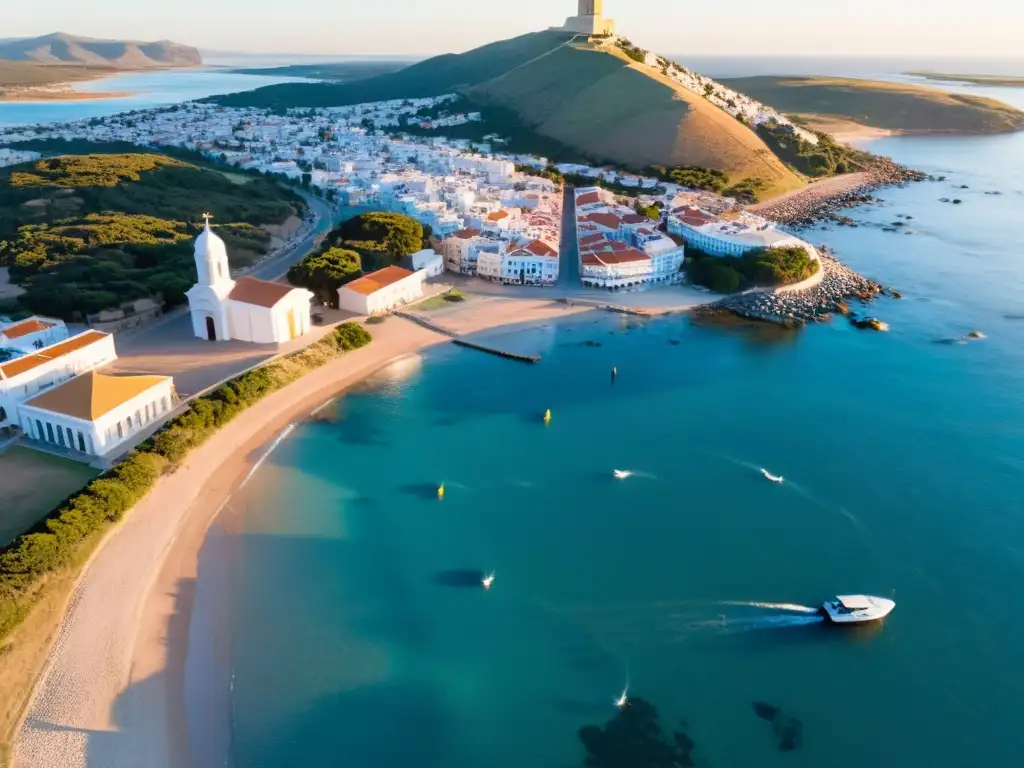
{"points": [[839, 286], [811, 206]]}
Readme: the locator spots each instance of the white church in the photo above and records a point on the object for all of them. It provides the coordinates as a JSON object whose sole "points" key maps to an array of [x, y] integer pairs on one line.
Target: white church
{"points": [[246, 309], [590, 20]]}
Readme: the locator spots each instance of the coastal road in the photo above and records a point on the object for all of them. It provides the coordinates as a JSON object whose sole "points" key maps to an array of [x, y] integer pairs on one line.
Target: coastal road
{"points": [[569, 260]]}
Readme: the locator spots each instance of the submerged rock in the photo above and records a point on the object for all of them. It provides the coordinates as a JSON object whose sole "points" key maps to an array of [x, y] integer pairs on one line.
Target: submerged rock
{"points": [[765, 711], [975, 335], [789, 731]]}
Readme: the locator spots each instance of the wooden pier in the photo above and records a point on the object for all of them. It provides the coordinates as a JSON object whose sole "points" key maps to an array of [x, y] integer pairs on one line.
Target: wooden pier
{"points": [[499, 352]]}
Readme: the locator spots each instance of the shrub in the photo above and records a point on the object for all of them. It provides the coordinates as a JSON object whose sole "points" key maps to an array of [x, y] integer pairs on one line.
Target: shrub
{"points": [[454, 296]]}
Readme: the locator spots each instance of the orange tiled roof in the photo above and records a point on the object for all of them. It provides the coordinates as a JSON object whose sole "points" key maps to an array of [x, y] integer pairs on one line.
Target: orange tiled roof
{"points": [[26, 327], [92, 395], [24, 364], [373, 282]]}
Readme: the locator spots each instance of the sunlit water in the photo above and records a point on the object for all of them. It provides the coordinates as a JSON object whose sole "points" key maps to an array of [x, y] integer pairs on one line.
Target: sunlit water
{"points": [[362, 637], [146, 89]]}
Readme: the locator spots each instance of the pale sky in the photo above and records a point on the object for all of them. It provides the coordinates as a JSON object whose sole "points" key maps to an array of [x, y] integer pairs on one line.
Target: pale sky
{"points": [[932, 27]]}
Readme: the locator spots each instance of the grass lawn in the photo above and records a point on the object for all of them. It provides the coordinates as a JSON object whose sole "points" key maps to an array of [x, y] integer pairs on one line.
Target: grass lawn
{"points": [[434, 302], [31, 484]]}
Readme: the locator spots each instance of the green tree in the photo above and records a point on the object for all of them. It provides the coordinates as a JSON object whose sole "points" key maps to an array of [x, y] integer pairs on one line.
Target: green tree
{"points": [[396, 235], [325, 272]]}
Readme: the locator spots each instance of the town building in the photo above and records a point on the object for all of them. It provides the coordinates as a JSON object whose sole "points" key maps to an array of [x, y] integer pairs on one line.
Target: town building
{"points": [[247, 309], [32, 334], [732, 235], [381, 291], [25, 377], [429, 261], [95, 414]]}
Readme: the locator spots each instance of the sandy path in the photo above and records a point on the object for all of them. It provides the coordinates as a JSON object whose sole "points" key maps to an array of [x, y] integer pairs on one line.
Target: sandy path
{"points": [[111, 695], [818, 189]]}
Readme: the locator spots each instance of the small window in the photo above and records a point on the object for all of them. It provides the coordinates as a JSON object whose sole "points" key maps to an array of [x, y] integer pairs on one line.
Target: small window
{"points": [[220, 269], [60, 437], [81, 442], [71, 438], [129, 422], [49, 432], [120, 430]]}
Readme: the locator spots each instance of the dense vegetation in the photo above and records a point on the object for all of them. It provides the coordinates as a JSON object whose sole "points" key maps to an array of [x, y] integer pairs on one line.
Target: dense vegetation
{"points": [[324, 272], [766, 267], [364, 243], [85, 233], [893, 106], [28, 74], [67, 534], [826, 158]]}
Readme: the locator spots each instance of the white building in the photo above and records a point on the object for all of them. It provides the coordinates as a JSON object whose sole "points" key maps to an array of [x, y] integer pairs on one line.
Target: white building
{"points": [[246, 309], [381, 291], [24, 377], [615, 265], [33, 333], [457, 251], [94, 414], [429, 261], [534, 264], [729, 237]]}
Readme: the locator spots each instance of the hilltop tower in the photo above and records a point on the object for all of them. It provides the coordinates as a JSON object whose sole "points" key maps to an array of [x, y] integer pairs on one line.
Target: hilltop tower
{"points": [[590, 19]]}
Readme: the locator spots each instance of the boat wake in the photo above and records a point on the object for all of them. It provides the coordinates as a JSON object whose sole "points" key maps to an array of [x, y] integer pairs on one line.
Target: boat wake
{"points": [[273, 446], [753, 623], [794, 607], [774, 478]]}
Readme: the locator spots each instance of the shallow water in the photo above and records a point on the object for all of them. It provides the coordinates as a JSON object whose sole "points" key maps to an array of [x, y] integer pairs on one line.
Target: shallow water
{"points": [[904, 467]]}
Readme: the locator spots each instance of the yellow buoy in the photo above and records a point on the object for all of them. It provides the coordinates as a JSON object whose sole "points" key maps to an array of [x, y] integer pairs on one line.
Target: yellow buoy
{"points": [[547, 416], [440, 491]]}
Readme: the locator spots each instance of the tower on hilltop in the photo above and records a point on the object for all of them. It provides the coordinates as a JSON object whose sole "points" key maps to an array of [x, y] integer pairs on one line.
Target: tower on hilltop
{"points": [[590, 20]]}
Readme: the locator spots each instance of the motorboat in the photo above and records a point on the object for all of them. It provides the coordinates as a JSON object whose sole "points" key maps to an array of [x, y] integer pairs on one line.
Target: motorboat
{"points": [[488, 580], [773, 478], [857, 609], [622, 474]]}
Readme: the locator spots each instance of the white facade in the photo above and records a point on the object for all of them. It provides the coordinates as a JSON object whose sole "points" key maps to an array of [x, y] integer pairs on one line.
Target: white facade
{"points": [[33, 334], [731, 238], [247, 309], [25, 377], [382, 291], [100, 415], [429, 261]]}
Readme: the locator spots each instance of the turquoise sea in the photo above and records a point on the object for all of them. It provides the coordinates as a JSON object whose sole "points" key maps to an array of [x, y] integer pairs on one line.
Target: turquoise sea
{"points": [[361, 637]]}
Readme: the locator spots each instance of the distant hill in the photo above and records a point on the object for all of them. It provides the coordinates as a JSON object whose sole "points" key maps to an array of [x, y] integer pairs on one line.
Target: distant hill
{"points": [[333, 71], [890, 106], [599, 103], [61, 48]]}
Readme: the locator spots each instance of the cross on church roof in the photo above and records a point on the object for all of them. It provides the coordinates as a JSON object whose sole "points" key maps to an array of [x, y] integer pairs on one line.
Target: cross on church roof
{"points": [[207, 217]]}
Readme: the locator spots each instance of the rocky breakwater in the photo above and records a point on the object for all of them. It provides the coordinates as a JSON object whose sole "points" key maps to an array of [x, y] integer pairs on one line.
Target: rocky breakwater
{"points": [[823, 202], [838, 287]]}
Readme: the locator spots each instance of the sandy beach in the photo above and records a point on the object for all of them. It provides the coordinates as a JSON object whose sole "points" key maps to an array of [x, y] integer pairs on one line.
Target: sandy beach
{"points": [[112, 692]]}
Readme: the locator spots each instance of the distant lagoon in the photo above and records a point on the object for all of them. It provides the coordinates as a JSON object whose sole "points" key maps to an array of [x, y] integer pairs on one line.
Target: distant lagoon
{"points": [[146, 90]]}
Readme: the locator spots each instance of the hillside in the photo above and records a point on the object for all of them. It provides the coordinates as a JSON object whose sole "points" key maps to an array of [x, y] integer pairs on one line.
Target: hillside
{"points": [[81, 233], [27, 74], [889, 106], [334, 71], [436, 76], [61, 48], [617, 110], [598, 103]]}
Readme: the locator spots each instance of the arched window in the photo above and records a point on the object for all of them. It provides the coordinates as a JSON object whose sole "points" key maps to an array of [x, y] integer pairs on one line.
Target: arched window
{"points": [[220, 269], [3, 414]]}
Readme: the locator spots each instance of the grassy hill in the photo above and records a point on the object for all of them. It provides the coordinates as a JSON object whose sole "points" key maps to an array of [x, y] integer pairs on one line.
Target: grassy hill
{"points": [[617, 110], [599, 104], [436, 76], [61, 48], [890, 106], [81, 233]]}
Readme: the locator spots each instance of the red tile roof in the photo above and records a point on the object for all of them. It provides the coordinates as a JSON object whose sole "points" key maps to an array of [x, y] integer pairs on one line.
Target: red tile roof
{"points": [[587, 199], [374, 281], [605, 258], [466, 234], [259, 293], [607, 220], [634, 218], [540, 248]]}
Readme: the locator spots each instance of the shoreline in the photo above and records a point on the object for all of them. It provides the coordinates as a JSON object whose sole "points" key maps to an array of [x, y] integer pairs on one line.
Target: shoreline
{"points": [[112, 687]]}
